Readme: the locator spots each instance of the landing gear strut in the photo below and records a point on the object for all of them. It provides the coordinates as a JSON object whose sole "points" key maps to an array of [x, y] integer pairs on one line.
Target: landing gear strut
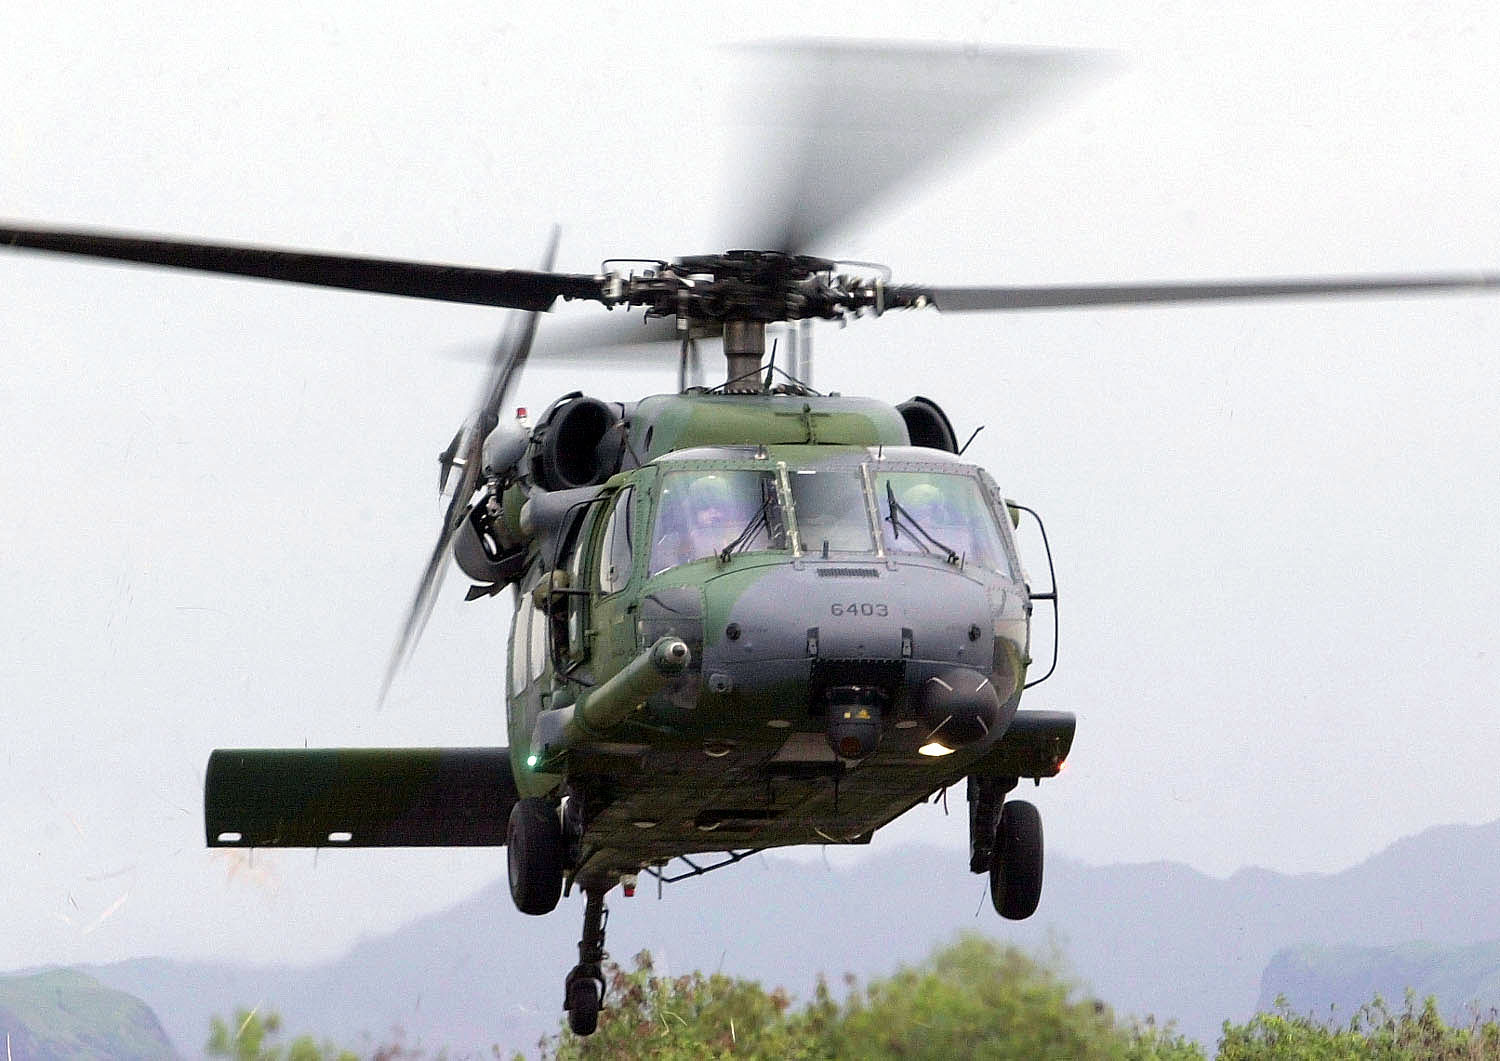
{"points": [[583, 990], [986, 794]]}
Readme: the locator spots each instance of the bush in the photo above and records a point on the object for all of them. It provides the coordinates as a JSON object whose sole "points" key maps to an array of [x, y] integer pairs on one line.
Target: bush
{"points": [[974, 998], [1414, 1034]]}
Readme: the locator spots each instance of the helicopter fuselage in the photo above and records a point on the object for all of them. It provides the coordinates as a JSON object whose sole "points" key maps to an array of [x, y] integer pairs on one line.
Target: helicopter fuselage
{"points": [[850, 652]]}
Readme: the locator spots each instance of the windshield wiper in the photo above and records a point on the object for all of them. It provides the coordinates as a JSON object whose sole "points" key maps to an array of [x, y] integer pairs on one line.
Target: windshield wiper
{"points": [[899, 515], [745, 537]]}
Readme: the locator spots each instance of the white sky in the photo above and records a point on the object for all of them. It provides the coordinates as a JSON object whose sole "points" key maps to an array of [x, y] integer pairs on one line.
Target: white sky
{"points": [[1275, 524]]}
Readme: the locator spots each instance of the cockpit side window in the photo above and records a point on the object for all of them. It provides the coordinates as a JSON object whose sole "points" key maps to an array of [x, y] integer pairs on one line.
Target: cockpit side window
{"points": [[935, 513], [617, 550], [701, 513]]}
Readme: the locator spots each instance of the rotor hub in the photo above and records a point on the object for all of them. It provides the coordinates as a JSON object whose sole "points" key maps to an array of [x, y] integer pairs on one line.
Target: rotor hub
{"points": [[749, 285]]}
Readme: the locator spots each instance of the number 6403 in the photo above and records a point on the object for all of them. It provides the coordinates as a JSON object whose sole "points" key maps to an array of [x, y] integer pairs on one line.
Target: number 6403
{"points": [[860, 609]]}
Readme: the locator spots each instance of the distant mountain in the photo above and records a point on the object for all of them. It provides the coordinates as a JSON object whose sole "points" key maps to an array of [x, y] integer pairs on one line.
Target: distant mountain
{"points": [[1156, 938], [1336, 981], [63, 1015]]}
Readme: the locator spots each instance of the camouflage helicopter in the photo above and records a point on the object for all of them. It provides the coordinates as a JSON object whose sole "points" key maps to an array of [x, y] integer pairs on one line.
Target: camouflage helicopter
{"points": [[746, 616]]}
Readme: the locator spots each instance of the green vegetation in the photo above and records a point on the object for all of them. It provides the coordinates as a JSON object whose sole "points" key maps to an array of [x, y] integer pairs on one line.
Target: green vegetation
{"points": [[1416, 1033], [248, 1038], [972, 999]]}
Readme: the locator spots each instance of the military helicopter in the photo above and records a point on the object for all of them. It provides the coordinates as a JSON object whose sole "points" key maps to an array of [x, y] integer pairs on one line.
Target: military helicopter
{"points": [[744, 616]]}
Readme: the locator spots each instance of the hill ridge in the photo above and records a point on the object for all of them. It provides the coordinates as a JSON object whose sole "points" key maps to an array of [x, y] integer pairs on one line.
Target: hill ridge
{"points": [[1159, 937]]}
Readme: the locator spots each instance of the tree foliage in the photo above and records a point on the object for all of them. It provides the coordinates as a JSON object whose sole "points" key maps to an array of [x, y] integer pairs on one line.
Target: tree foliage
{"points": [[972, 999], [1416, 1033], [249, 1038]]}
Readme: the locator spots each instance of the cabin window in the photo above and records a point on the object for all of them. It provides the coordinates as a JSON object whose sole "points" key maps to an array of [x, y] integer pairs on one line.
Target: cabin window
{"points": [[829, 507], [538, 623], [577, 601], [616, 553], [519, 629], [935, 513], [702, 513]]}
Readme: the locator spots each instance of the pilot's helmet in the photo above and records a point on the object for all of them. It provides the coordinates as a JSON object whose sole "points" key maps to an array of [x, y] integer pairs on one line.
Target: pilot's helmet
{"points": [[709, 495], [923, 497]]}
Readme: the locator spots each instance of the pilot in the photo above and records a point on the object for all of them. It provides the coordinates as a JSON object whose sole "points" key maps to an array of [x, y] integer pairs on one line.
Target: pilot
{"points": [[923, 500], [712, 508], [922, 504], [692, 523]]}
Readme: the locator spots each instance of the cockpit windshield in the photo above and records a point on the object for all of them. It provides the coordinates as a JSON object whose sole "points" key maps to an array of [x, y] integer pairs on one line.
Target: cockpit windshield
{"points": [[830, 510], [934, 514], [703, 513]]}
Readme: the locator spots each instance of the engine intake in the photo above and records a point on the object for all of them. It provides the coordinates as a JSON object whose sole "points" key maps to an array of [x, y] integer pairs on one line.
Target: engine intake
{"points": [[577, 444], [927, 425]]}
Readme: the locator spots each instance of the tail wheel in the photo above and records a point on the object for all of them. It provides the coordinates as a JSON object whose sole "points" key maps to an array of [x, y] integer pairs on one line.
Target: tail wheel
{"points": [[584, 996], [534, 856], [1016, 861]]}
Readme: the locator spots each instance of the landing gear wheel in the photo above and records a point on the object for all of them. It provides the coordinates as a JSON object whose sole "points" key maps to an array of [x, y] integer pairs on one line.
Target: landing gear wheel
{"points": [[534, 856], [583, 990], [1016, 862], [584, 995]]}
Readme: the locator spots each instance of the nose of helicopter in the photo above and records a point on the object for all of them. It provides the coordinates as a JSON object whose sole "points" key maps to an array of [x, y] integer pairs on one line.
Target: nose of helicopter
{"points": [[851, 611], [813, 632]]}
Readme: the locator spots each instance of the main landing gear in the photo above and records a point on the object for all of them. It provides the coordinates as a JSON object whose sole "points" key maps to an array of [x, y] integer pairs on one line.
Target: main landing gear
{"points": [[1006, 839], [536, 855]]}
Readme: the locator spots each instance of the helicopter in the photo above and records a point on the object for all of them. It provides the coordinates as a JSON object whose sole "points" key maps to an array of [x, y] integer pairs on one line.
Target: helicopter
{"points": [[744, 617]]}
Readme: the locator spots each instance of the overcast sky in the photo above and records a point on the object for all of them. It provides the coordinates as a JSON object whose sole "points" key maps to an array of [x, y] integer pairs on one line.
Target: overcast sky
{"points": [[1275, 524]]}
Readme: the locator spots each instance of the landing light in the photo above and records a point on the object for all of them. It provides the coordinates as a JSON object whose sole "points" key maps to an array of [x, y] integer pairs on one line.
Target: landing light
{"points": [[934, 749], [531, 761]]}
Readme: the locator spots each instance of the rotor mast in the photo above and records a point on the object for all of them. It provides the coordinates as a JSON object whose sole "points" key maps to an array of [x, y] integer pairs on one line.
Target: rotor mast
{"points": [[744, 350]]}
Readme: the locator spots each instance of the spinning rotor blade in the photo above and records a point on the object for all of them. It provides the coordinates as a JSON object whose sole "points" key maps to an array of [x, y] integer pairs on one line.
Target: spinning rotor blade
{"points": [[510, 354], [599, 341], [509, 288], [607, 333], [466, 453], [421, 605], [991, 299], [847, 124]]}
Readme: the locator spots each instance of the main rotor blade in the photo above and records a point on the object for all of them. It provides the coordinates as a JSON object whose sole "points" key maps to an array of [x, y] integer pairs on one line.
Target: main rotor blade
{"points": [[510, 353], [608, 332], [841, 125], [993, 299], [604, 341], [507, 360], [510, 288], [421, 605]]}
